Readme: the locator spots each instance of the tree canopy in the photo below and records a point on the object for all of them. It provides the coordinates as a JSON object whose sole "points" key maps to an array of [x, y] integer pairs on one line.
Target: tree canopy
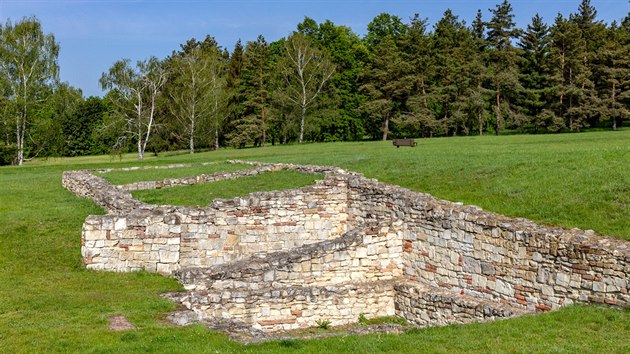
{"points": [[323, 82]]}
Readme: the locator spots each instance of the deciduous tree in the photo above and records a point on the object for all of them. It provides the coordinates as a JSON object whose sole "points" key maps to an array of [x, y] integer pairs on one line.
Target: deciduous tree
{"points": [[133, 92], [306, 70], [28, 66]]}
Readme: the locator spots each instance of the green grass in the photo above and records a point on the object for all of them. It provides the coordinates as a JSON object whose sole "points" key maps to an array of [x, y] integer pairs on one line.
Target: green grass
{"points": [[124, 177], [382, 320], [50, 303], [204, 193]]}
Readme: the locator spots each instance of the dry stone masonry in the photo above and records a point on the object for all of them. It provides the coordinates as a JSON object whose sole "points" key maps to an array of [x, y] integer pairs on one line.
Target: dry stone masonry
{"points": [[344, 247]]}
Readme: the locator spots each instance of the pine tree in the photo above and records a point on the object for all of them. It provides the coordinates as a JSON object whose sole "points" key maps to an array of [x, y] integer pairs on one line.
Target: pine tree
{"points": [[418, 120], [386, 84], [535, 73], [586, 104], [613, 69], [503, 60], [251, 126], [478, 97], [233, 85], [448, 80], [478, 27]]}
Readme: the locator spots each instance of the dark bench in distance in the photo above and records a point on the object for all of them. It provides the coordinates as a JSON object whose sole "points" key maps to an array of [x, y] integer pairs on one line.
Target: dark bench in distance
{"points": [[404, 142]]}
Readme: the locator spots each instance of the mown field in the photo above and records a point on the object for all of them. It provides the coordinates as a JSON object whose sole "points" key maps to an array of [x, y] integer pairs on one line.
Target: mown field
{"points": [[50, 303]]}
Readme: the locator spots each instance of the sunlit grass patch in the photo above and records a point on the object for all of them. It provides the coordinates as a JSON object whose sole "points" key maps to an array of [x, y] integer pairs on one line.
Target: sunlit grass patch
{"points": [[204, 193], [50, 303], [157, 174]]}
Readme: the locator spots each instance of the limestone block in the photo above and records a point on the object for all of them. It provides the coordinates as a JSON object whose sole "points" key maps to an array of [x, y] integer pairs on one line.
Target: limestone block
{"points": [[163, 268], [94, 235], [563, 279], [168, 256], [599, 286], [120, 224], [471, 265]]}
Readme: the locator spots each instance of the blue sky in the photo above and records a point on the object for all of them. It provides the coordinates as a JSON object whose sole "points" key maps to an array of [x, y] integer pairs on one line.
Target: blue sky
{"points": [[93, 34]]}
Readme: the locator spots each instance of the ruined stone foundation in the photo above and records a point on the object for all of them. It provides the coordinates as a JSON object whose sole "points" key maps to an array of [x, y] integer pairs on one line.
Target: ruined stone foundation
{"points": [[344, 247]]}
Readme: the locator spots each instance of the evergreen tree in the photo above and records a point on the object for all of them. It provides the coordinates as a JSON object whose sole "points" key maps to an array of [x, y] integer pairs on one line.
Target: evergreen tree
{"points": [[477, 104], [535, 72], [386, 84], [585, 103], [50, 136], [418, 119], [570, 74], [478, 27], [503, 62], [235, 97], [613, 69], [251, 127], [83, 129]]}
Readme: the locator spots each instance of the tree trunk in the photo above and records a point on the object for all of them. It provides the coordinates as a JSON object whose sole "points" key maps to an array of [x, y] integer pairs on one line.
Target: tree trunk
{"points": [[562, 65], [498, 112], [302, 124], [424, 94], [150, 125], [21, 127], [19, 141], [385, 127], [480, 117], [140, 150], [612, 105], [570, 98], [191, 144], [191, 141], [264, 127], [216, 122], [20, 144]]}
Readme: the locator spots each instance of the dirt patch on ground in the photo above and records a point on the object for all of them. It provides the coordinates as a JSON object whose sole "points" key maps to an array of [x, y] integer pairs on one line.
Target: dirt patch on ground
{"points": [[120, 323]]}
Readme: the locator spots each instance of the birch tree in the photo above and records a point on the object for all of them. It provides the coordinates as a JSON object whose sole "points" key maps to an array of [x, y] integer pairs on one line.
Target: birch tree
{"points": [[306, 70], [133, 92], [195, 73], [28, 64]]}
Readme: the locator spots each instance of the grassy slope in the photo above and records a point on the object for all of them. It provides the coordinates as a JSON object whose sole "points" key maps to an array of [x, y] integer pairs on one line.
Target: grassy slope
{"points": [[50, 303]]}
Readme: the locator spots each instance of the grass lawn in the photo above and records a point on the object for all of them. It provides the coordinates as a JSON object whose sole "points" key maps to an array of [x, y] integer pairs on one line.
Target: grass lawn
{"points": [[204, 193], [50, 303], [124, 177]]}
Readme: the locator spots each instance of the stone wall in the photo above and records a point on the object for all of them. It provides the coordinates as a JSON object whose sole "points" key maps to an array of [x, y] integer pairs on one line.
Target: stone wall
{"points": [[293, 307], [345, 246], [163, 238], [360, 255], [334, 280], [425, 306], [511, 260]]}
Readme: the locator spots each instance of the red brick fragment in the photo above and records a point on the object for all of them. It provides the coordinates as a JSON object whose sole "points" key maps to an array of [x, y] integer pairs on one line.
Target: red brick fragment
{"points": [[407, 246], [542, 308]]}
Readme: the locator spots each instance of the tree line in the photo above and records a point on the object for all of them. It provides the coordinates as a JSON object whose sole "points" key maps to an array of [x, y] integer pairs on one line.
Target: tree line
{"points": [[324, 83]]}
